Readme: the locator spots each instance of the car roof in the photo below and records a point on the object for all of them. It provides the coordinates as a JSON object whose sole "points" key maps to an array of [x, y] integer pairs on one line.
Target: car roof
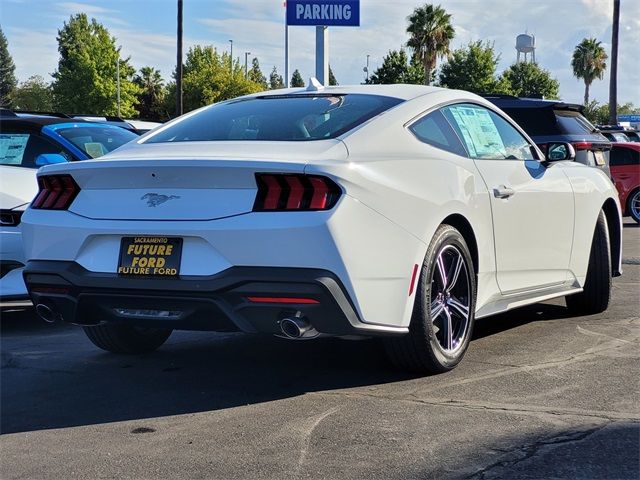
{"points": [[398, 90], [631, 145], [36, 122], [508, 101]]}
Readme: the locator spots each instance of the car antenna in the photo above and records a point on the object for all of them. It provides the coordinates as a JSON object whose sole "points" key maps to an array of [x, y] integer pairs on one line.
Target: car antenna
{"points": [[314, 85]]}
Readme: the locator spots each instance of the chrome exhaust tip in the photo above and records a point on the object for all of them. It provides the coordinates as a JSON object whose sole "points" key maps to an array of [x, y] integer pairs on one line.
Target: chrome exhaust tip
{"points": [[297, 328], [46, 313]]}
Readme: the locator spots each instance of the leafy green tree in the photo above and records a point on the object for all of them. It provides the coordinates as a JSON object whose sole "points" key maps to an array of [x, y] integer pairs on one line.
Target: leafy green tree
{"points": [[396, 68], [598, 113], [151, 94], [589, 63], [473, 68], [256, 76], [296, 79], [525, 79], [34, 94], [430, 33], [8, 79], [332, 77], [86, 78], [207, 78], [275, 80]]}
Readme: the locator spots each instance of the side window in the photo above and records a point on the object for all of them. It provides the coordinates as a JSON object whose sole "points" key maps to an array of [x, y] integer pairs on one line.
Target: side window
{"points": [[486, 134], [435, 130], [623, 156], [22, 149]]}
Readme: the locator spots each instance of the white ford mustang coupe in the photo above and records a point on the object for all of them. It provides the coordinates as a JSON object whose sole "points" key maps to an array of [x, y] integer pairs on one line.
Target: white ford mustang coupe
{"points": [[398, 211]]}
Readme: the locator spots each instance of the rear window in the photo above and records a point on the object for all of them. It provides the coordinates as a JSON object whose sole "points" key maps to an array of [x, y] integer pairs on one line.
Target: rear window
{"points": [[97, 141], [278, 118], [546, 121]]}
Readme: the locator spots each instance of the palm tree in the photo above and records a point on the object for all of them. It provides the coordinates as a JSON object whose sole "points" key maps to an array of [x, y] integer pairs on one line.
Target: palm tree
{"points": [[589, 63], [152, 92], [613, 78], [431, 33]]}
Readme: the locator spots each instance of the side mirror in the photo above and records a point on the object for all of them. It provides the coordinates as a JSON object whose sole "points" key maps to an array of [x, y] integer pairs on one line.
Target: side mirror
{"points": [[558, 151], [49, 159]]}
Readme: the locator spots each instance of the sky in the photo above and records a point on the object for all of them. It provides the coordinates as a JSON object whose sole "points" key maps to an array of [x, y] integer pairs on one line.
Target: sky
{"points": [[145, 29]]}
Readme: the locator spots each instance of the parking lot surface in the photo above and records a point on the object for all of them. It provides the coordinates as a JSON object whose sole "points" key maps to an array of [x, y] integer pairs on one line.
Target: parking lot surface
{"points": [[540, 394]]}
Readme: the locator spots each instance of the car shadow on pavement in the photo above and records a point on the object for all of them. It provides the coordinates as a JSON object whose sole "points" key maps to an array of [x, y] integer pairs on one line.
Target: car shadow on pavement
{"points": [[52, 377]]}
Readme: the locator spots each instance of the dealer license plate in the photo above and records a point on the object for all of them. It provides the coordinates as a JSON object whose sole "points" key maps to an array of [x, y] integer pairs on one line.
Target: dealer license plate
{"points": [[150, 256]]}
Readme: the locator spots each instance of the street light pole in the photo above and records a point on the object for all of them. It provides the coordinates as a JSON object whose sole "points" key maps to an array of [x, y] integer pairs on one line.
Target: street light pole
{"points": [[231, 55], [179, 63], [246, 71], [368, 67], [118, 81]]}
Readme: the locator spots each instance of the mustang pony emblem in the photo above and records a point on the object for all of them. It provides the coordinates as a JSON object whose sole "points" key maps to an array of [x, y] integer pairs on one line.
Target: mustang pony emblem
{"points": [[153, 199]]}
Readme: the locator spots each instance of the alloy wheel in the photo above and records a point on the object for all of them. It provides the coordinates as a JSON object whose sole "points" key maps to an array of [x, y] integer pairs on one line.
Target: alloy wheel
{"points": [[450, 299]]}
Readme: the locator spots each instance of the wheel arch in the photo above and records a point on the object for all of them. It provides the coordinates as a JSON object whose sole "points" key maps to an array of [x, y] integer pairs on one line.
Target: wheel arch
{"points": [[460, 223], [614, 224]]}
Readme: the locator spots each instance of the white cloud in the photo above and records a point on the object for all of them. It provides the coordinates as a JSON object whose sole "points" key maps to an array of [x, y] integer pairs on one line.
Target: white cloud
{"points": [[258, 26]]}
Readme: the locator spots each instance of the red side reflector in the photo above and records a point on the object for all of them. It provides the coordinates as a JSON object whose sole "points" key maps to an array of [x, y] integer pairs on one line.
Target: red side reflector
{"points": [[413, 279], [289, 300]]}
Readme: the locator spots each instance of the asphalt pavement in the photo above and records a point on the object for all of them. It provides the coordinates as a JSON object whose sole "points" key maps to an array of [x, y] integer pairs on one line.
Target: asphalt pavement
{"points": [[540, 394]]}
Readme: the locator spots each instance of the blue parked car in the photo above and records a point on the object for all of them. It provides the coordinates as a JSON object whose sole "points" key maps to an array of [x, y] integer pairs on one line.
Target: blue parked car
{"points": [[26, 143]]}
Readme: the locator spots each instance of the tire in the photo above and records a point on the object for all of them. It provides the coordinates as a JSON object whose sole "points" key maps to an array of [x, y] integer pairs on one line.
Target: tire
{"points": [[427, 348], [596, 294], [633, 205], [119, 338]]}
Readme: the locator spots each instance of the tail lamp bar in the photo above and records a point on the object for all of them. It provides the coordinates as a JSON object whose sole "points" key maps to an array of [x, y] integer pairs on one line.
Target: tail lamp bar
{"points": [[57, 192], [295, 192]]}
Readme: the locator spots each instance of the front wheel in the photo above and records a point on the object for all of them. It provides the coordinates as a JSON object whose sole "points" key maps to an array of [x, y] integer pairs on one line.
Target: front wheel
{"points": [[633, 205], [119, 338], [443, 314], [596, 293]]}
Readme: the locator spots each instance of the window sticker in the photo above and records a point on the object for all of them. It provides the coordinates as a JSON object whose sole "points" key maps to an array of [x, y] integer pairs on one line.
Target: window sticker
{"points": [[479, 132], [94, 149], [12, 147]]}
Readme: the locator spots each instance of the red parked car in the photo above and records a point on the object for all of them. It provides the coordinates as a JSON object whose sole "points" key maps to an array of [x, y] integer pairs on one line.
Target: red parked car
{"points": [[624, 163]]}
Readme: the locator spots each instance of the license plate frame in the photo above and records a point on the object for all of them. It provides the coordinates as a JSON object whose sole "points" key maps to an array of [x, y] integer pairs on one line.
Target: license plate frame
{"points": [[138, 257]]}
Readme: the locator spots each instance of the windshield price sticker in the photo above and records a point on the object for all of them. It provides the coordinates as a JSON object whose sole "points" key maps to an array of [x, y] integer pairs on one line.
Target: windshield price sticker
{"points": [[150, 256]]}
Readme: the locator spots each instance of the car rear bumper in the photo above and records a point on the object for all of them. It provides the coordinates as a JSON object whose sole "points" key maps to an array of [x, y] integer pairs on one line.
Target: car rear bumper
{"points": [[236, 299]]}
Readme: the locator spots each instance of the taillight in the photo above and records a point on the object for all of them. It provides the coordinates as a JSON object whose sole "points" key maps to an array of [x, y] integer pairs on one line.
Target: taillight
{"points": [[56, 192], [293, 192], [582, 145]]}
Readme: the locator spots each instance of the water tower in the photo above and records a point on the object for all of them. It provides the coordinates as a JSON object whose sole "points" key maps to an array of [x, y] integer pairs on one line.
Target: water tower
{"points": [[526, 43]]}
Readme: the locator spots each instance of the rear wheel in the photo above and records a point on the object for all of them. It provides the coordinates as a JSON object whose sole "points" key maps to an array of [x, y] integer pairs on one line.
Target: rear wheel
{"points": [[633, 205], [443, 314], [118, 338], [597, 287]]}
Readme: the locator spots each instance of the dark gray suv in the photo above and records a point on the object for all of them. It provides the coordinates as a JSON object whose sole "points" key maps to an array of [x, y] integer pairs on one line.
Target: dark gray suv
{"points": [[549, 121]]}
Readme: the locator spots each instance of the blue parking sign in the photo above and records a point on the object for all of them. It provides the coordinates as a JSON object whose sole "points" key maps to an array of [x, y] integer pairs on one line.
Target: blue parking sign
{"points": [[329, 13]]}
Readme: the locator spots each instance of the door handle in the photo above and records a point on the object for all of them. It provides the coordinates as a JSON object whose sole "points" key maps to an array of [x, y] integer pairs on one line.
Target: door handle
{"points": [[503, 192]]}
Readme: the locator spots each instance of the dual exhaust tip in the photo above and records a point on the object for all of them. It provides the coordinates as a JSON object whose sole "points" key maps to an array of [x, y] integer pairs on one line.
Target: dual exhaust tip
{"points": [[297, 328]]}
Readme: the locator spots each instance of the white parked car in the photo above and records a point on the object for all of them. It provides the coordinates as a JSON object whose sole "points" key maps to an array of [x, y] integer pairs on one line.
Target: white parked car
{"points": [[399, 211]]}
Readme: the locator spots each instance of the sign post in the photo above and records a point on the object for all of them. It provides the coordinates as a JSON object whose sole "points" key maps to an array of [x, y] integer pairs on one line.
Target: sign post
{"points": [[321, 14]]}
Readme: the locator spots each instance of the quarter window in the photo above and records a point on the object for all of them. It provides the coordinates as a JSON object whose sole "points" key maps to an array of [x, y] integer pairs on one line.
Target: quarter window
{"points": [[487, 135], [435, 130], [621, 156], [22, 149]]}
